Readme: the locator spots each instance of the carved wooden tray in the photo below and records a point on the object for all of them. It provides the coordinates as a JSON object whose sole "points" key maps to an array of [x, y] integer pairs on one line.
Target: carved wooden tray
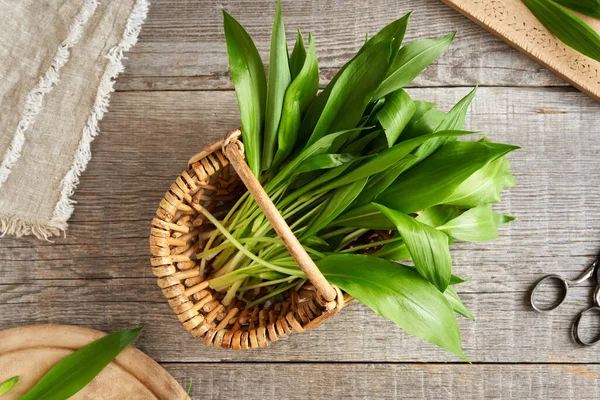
{"points": [[512, 21], [30, 351]]}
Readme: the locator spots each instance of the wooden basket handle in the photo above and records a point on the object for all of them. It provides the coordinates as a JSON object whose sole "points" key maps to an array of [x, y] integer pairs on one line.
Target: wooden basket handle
{"points": [[233, 149]]}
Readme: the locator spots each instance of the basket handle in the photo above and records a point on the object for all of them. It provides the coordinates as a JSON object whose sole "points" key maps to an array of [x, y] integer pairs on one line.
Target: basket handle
{"points": [[233, 150]]}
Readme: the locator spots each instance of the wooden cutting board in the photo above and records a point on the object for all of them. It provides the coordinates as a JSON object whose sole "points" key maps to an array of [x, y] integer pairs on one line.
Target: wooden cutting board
{"points": [[512, 21], [31, 351]]}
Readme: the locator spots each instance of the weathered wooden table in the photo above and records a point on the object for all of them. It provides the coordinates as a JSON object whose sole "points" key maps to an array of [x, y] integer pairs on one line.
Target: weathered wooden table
{"points": [[176, 96]]}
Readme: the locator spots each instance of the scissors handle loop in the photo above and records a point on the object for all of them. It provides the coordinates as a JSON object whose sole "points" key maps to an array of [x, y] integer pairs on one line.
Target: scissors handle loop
{"points": [[542, 308], [576, 335]]}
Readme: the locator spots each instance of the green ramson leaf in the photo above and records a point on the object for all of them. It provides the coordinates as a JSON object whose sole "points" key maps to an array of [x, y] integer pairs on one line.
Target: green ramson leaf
{"points": [[421, 108], [322, 146], [455, 280], [248, 76], [298, 56], [434, 179], [324, 161], [427, 246], [410, 61], [439, 215], [383, 160], [359, 145], [397, 293], [425, 125], [78, 369], [381, 181], [394, 251], [325, 177], [454, 119], [458, 306], [8, 384], [297, 98], [366, 217], [339, 200], [475, 225], [279, 80], [586, 7], [566, 26], [353, 91], [315, 241], [393, 33], [187, 395], [484, 186], [395, 114]]}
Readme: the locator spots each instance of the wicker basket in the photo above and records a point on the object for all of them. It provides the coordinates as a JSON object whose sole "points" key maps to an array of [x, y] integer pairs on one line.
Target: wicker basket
{"points": [[213, 180]]}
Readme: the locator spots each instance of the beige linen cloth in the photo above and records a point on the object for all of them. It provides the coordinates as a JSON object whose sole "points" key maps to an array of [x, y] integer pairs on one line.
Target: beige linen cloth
{"points": [[58, 62]]}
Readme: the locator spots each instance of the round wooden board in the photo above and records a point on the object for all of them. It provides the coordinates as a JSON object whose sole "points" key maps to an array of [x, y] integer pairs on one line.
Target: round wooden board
{"points": [[30, 351]]}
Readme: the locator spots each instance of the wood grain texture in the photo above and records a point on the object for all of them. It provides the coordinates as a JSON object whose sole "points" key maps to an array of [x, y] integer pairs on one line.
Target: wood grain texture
{"points": [[148, 137], [372, 381], [99, 275], [506, 330], [182, 46]]}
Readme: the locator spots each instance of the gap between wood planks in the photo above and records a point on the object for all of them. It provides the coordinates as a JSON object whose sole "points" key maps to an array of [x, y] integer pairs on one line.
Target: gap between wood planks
{"points": [[449, 363], [566, 88]]}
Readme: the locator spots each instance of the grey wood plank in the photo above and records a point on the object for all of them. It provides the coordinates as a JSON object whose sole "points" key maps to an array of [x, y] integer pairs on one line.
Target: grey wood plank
{"points": [[99, 275], [148, 137], [506, 329], [182, 44], [371, 381]]}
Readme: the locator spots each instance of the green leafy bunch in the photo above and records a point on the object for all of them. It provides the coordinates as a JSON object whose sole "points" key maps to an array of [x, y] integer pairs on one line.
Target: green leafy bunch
{"points": [[363, 174], [567, 26]]}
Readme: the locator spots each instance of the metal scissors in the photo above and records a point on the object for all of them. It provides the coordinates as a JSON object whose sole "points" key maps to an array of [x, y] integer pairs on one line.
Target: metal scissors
{"points": [[591, 272]]}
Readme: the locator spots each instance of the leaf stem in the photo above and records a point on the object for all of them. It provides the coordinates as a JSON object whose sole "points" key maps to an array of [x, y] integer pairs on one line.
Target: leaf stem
{"points": [[272, 294]]}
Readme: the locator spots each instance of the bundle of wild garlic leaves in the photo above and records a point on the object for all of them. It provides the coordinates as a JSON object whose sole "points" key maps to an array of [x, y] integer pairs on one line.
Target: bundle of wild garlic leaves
{"points": [[360, 168]]}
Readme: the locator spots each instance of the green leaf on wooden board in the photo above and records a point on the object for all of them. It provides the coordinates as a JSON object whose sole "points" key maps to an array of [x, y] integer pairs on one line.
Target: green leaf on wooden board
{"points": [[8, 384], [75, 371], [566, 26], [394, 251], [586, 7]]}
